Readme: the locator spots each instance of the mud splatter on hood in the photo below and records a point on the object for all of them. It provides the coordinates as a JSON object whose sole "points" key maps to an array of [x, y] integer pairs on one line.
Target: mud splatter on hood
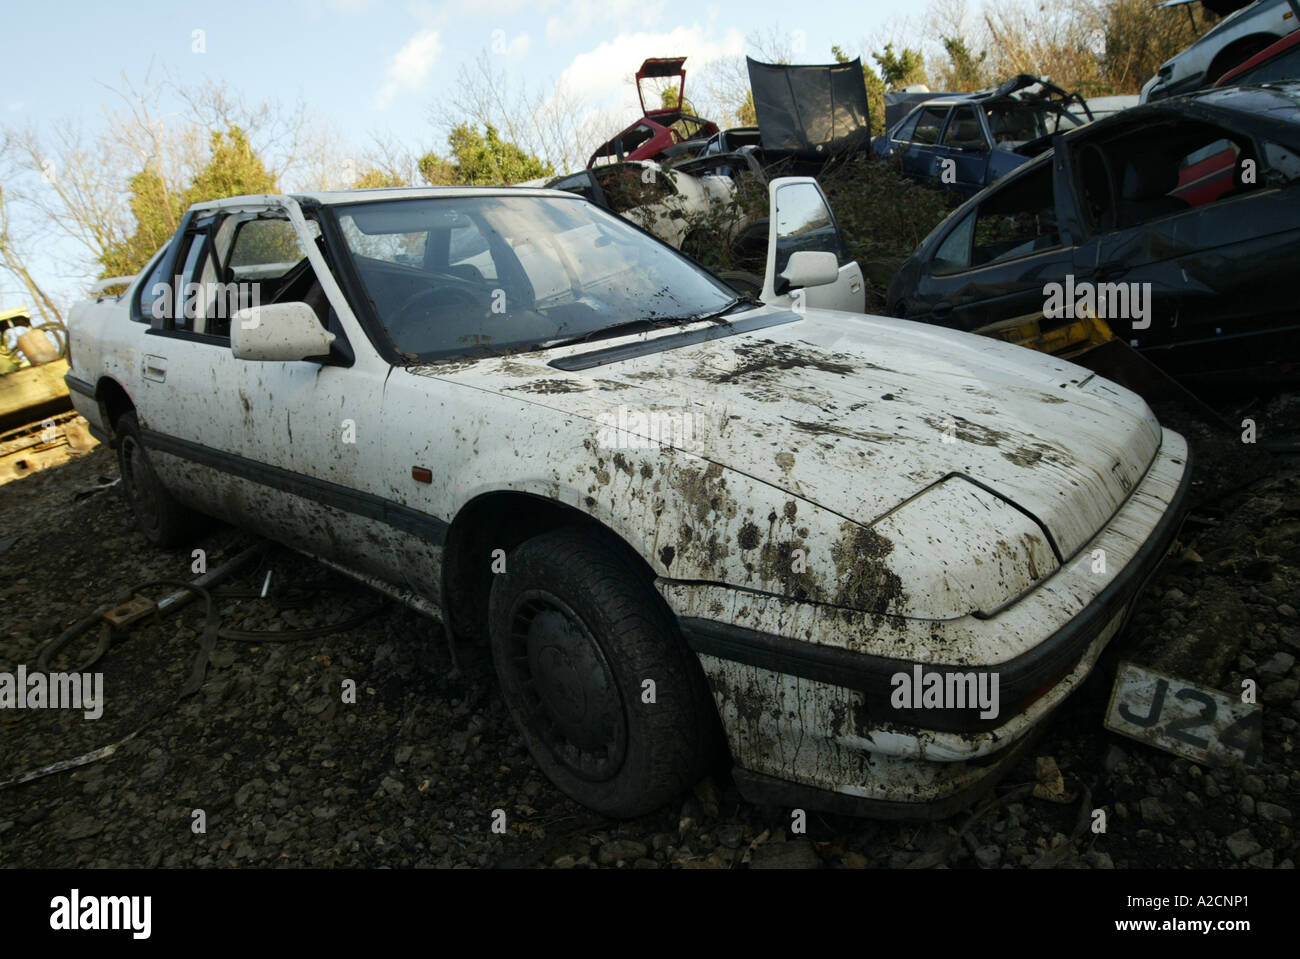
{"points": [[857, 414]]}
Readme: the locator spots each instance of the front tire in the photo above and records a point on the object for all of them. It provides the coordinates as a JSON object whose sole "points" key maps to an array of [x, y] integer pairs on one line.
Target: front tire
{"points": [[576, 631], [162, 520]]}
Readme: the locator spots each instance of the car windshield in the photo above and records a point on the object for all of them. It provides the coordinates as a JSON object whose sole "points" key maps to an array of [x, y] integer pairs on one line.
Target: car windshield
{"points": [[497, 274]]}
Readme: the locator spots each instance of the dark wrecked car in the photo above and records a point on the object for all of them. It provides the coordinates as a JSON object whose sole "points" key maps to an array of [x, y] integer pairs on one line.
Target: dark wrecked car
{"points": [[1178, 223], [964, 141]]}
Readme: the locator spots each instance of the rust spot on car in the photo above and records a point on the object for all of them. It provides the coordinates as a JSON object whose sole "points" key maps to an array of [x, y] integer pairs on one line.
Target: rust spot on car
{"points": [[666, 556], [749, 536], [785, 461], [621, 463]]}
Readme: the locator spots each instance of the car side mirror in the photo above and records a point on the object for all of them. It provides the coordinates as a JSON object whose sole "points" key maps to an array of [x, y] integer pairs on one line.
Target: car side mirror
{"points": [[278, 331], [808, 268]]}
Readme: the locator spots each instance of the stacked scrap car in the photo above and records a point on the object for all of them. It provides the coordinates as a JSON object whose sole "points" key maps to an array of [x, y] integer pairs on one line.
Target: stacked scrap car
{"points": [[1179, 221], [964, 142], [1248, 26]]}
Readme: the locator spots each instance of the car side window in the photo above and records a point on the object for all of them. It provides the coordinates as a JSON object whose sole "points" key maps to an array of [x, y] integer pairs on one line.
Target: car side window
{"points": [[267, 264], [155, 291], [908, 127], [1284, 66], [803, 222], [264, 251], [929, 125], [1156, 171], [1018, 220], [191, 292], [954, 253], [964, 131], [468, 254], [583, 184]]}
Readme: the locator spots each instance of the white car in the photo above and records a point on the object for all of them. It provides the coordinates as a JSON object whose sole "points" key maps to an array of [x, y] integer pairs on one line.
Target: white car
{"points": [[1247, 27], [866, 555]]}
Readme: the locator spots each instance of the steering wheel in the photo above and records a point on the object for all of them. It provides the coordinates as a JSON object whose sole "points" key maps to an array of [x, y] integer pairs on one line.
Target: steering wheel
{"points": [[448, 294]]}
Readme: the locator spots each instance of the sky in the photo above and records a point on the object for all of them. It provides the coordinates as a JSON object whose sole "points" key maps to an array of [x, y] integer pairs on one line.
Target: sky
{"points": [[375, 67]]}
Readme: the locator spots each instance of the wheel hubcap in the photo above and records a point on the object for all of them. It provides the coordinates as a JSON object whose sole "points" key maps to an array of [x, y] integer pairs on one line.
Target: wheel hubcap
{"points": [[570, 696]]}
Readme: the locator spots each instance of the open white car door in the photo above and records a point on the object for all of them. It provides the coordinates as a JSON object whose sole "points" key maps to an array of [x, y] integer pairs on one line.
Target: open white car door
{"points": [[807, 260]]}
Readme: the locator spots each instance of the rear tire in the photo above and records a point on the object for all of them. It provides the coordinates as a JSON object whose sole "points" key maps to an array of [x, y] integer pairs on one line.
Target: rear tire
{"points": [[162, 520], [575, 632]]}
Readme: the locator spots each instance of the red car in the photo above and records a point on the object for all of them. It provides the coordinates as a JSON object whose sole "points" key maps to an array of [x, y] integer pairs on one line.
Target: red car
{"points": [[1280, 60], [657, 130]]}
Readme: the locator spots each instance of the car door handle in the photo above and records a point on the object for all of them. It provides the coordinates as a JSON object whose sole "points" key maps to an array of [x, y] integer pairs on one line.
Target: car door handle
{"points": [[1108, 271], [155, 368]]}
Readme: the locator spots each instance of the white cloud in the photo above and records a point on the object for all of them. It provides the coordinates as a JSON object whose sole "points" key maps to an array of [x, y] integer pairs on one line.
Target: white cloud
{"points": [[580, 16], [436, 14], [409, 67], [519, 46], [604, 76], [318, 8]]}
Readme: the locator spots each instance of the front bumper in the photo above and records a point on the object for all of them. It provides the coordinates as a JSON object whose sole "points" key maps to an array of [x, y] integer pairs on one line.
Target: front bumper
{"points": [[804, 690]]}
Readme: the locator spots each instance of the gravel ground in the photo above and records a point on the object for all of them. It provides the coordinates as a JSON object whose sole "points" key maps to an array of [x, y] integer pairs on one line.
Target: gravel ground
{"points": [[414, 771]]}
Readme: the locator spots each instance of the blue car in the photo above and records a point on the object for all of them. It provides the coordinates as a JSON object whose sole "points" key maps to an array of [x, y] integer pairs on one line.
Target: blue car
{"points": [[962, 142]]}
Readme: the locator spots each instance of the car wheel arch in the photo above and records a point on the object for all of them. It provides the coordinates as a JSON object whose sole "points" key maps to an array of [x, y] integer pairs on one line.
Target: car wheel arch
{"points": [[113, 400], [503, 519], [1235, 54]]}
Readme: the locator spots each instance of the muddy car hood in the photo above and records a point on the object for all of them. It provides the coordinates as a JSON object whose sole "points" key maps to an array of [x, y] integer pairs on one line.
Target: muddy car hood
{"points": [[857, 414]]}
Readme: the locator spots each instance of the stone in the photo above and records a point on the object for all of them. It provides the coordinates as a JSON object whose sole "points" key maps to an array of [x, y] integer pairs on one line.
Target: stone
{"points": [[795, 854]]}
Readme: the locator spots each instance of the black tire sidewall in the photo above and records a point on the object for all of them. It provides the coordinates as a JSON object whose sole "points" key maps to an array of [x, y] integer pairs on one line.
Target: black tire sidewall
{"points": [[667, 740]]}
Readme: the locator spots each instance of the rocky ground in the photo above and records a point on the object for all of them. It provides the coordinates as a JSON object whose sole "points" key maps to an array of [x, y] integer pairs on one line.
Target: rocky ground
{"points": [[413, 773]]}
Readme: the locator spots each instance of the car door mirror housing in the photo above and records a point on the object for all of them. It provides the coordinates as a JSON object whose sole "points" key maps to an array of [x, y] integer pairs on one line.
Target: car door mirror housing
{"points": [[278, 331], [808, 268]]}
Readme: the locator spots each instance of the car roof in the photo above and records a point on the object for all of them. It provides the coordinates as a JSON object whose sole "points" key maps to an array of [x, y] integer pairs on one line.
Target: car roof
{"points": [[1272, 106], [343, 197]]}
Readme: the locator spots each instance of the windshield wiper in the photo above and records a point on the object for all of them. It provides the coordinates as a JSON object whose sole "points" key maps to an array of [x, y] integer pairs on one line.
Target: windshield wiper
{"points": [[646, 324], [618, 329], [746, 300]]}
